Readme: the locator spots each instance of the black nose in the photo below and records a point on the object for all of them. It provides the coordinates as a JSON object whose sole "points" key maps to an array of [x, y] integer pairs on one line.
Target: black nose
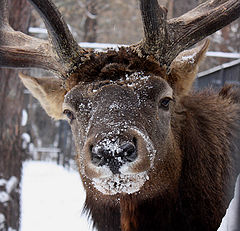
{"points": [[113, 156]]}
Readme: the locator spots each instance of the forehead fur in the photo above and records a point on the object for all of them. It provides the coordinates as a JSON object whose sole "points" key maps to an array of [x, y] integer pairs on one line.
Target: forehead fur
{"points": [[136, 82], [113, 65]]}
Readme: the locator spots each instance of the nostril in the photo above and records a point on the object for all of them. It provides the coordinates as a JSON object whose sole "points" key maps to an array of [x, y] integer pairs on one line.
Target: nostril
{"points": [[135, 141], [96, 155], [128, 152]]}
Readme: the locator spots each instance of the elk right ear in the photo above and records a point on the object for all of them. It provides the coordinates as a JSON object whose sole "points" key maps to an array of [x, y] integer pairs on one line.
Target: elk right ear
{"points": [[48, 91], [184, 68]]}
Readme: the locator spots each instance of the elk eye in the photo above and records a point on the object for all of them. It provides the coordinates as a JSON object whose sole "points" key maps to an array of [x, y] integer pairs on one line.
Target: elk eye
{"points": [[164, 103], [69, 114]]}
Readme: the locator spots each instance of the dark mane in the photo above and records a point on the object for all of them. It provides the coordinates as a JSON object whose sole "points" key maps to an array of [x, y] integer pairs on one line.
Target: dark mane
{"points": [[210, 150]]}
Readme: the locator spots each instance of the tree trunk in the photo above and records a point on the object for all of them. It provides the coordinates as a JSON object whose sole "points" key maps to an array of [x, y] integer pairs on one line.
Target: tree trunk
{"points": [[90, 26], [11, 105]]}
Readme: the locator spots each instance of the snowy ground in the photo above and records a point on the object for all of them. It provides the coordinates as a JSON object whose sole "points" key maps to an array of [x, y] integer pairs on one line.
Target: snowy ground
{"points": [[52, 198]]}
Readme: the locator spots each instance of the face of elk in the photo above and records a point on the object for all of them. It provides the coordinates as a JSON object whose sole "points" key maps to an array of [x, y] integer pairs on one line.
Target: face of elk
{"points": [[123, 125], [116, 146]]}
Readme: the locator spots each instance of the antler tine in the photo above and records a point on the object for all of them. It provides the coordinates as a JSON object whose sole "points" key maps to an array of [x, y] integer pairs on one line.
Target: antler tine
{"points": [[18, 50], [165, 39], [61, 38], [154, 18], [154, 24], [201, 22], [60, 54]]}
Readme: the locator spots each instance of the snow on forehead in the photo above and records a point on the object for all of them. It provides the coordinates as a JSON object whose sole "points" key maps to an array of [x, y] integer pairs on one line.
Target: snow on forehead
{"points": [[137, 75], [140, 80], [135, 78]]}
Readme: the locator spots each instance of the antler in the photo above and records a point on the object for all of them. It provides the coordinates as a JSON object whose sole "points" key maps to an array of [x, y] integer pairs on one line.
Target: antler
{"points": [[165, 39], [60, 54]]}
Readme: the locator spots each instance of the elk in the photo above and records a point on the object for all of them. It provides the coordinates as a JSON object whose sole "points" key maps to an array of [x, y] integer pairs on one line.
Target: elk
{"points": [[152, 153]]}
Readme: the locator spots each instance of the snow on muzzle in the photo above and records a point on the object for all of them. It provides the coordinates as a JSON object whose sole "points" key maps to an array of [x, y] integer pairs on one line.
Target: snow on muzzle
{"points": [[119, 164]]}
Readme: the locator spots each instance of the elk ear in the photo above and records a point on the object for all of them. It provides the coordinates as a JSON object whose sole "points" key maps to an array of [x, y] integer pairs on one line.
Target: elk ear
{"points": [[48, 91], [185, 67]]}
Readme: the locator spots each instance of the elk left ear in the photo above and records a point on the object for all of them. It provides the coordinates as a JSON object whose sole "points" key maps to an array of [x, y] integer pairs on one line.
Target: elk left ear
{"points": [[185, 67], [48, 91]]}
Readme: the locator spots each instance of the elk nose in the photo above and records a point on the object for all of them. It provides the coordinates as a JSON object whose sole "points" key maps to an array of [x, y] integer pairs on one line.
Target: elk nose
{"points": [[113, 156]]}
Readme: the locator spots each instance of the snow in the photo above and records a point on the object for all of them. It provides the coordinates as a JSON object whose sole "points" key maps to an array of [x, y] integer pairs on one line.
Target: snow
{"points": [[231, 220], [110, 144], [189, 58], [120, 183], [11, 184], [52, 198], [11, 229], [2, 220], [37, 30], [3, 182], [223, 54], [136, 79], [24, 118], [25, 140], [4, 197]]}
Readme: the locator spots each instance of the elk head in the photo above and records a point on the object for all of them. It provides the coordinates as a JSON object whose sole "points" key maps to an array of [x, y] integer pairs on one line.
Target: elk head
{"points": [[121, 122], [120, 104]]}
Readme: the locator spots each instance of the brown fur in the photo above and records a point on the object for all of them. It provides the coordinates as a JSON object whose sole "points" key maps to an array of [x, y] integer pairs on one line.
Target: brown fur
{"points": [[128, 210], [207, 138]]}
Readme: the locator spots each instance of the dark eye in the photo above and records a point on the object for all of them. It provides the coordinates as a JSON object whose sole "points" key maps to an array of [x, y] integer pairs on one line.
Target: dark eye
{"points": [[69, 114], [164, 103]]}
